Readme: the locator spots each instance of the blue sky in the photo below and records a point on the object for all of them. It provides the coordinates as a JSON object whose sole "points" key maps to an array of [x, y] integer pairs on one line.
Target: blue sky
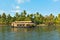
{"points": [[45, 7]]}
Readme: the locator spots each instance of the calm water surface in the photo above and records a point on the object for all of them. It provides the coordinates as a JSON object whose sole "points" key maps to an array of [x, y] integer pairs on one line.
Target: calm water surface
{"points": [[38, 33]]}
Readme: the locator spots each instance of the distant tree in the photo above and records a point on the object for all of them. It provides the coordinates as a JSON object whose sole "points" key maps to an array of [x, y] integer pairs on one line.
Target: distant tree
{"points": [[58, 19], [30, 16], [9, 18], [51, 18], [23, 15], [17, 17], [24, 12], [0, 19], [38, 18], [0, 16], [3, 18]]}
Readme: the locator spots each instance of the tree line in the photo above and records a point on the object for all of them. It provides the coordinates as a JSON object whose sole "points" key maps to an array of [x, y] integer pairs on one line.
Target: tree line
{"points": [[36, 18]]}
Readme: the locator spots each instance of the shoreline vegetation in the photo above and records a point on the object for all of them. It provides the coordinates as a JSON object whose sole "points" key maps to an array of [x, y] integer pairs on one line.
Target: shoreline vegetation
{"points": [[36, 18]]}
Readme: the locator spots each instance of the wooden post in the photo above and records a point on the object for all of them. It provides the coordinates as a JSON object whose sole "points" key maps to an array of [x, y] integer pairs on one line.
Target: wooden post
{"points": [[25, 25]]}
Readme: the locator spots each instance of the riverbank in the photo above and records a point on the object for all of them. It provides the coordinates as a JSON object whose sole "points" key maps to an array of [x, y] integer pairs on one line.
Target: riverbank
{"points": [[40, 25]]}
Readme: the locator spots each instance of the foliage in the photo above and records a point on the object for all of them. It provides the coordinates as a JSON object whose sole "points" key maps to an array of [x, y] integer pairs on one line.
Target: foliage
{"points": [[36, 18]]}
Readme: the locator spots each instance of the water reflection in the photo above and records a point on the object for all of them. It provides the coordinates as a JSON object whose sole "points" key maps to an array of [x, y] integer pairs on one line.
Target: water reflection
{"points": [[37, 29], [22, 29], [38, 33]]}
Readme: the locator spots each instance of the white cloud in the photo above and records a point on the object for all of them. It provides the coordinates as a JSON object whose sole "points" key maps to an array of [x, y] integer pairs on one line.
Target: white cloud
{"points": [[14, 11], [22, 1], [17, 7], [9, 11]]}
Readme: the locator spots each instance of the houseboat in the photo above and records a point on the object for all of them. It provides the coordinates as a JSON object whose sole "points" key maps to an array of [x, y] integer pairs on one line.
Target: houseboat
{"points": [[23, 24]]}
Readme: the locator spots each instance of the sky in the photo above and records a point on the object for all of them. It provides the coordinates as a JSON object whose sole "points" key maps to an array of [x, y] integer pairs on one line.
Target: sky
{"points": [[44, 7]]}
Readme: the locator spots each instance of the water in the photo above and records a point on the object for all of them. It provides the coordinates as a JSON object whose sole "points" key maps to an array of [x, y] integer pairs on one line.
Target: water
{"points": [[38, 33]]}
